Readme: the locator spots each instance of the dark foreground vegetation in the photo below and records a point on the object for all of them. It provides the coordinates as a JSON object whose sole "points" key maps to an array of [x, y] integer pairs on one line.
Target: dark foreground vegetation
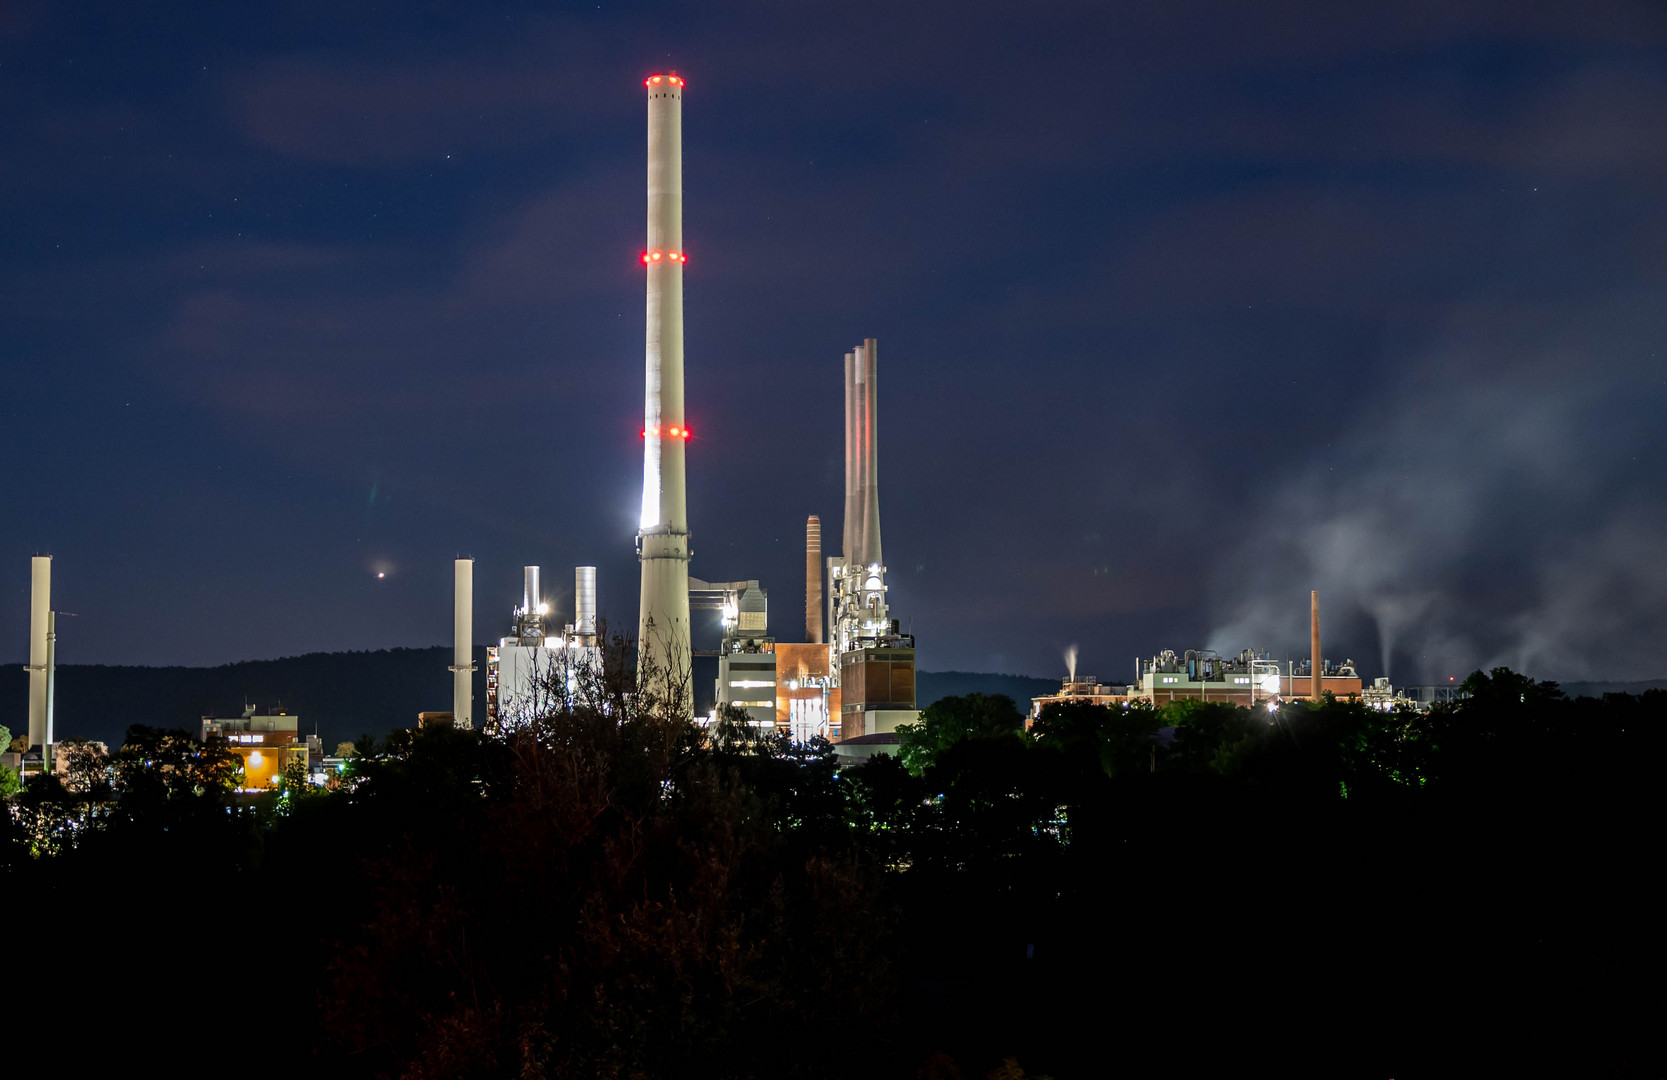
{"points": [[1321, 890]]}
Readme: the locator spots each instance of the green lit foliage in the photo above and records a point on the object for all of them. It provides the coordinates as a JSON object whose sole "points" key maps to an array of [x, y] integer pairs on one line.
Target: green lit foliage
{"points": [[951, 720], [10, 782]]}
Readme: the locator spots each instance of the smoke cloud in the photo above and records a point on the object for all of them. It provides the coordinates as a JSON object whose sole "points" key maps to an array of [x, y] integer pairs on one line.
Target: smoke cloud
{"points": [[1503, 505]]}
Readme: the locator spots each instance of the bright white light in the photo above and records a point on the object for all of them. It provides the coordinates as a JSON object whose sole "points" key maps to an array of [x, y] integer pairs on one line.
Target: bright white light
{"points": [[1270, 683], [255, 759], [750, 684], [544, 609]]}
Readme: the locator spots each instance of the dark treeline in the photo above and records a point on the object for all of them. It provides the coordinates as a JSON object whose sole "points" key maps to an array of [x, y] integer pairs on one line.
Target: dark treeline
{"points": [[608, 891]]}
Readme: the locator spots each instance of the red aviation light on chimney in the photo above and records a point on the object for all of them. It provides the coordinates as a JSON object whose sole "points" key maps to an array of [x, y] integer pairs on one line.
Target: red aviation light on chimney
{"points": [[651, 257]]}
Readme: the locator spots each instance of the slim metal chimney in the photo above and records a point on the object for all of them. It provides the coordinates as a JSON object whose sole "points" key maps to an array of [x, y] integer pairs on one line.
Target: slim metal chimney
{"points": [[51, 676], [853, 512], [584, 600], [1314, 684], [870, 455], [40, 626], [531, 597], [463, 644], [813, 580], [663, 539]]}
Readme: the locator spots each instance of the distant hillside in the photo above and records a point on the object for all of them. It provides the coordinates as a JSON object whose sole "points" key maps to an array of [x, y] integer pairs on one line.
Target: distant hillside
{"points": [[344, 694], [932, 685], [1598, 689]]}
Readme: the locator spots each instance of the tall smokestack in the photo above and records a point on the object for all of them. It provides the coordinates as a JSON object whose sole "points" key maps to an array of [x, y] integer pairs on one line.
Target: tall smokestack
{"points": [[1314, 684], [584, 600], [813, 580], [663, 540], [870, 455], [463, 644], [850, 526], [40, 625]]}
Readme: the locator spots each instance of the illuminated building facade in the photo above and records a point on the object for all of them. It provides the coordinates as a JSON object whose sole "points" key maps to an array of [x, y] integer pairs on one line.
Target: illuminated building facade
{"points": [[267, 744], [807, 691]]}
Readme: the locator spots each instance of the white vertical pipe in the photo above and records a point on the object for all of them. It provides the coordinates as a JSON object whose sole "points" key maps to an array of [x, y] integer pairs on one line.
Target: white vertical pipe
{"points": [[40, 619], [51, 676], [463, 643], [532, 598]]}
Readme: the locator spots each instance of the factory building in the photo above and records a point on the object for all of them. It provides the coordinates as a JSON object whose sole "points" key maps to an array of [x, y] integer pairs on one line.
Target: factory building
{"points": [[746, 653], [534, 670], [1247, 679], [1250, 678], [807, 691], [268, 744]]}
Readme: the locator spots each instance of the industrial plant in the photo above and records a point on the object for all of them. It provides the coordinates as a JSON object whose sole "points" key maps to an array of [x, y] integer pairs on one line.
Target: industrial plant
{"points": [[851, 680]]}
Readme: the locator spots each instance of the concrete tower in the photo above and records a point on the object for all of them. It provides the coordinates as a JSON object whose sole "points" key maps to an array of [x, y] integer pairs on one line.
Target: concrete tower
{"points": [[463, 644], [40, 628], [663, 540], [813, 580], [1314, 683]]}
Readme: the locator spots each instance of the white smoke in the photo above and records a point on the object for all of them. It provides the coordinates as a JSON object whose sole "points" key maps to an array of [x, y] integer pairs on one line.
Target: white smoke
{"points": [[1504, 519], [1071, 660]]}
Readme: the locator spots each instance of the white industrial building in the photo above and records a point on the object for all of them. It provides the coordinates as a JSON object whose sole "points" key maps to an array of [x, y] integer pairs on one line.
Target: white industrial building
{"points": [[533, 670]]}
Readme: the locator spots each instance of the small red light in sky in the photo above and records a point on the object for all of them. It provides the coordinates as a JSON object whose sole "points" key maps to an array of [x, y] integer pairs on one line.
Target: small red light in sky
{"points": [[655, 79]]}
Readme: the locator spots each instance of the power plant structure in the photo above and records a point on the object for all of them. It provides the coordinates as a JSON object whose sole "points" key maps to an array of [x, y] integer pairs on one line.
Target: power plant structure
{"points": [[663, 632], [746, 653], [876, 661], [1250, 678], [532, 671]]}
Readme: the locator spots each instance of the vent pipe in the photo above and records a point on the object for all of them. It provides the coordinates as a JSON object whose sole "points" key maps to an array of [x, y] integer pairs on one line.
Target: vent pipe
{"points": [[531, 598]]}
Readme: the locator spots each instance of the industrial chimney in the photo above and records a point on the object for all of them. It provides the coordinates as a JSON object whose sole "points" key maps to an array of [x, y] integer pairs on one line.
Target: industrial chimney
{"points": [[663, 539], [813, 580], [463, 644], [40, 627], [867, 357], [1314, 684], [862, 611]]}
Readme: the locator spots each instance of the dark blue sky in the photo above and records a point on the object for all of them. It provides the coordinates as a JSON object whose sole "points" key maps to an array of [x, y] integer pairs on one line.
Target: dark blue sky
{"points": [[1183, 309]]}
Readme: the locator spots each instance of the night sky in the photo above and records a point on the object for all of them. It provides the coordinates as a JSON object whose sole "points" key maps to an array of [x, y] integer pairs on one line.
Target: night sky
{"points": [[1183, 310]]}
